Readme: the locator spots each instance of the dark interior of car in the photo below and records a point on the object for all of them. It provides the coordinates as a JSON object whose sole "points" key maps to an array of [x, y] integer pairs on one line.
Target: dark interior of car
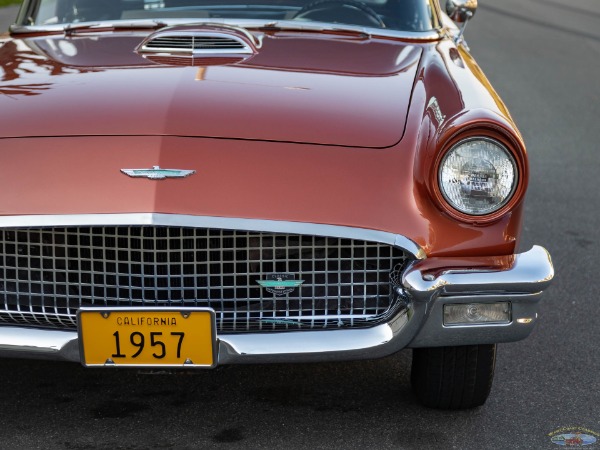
{"points": [[407, 15]]}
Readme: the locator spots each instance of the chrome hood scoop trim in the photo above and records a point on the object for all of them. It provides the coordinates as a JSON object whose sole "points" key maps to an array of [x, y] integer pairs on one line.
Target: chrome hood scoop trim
{"points": [[196, 45]]}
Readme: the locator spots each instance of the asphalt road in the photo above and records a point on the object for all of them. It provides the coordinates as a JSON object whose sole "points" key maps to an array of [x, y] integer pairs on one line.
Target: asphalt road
{"points": [[543, 56], [7, 16]]}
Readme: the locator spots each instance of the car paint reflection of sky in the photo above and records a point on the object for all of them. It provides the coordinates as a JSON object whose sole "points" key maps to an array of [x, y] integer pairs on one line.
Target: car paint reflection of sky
{"points": [[302, 98]]}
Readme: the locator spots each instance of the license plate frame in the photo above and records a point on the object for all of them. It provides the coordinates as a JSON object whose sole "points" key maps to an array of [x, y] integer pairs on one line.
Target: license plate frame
{"points": [[94, 326]]}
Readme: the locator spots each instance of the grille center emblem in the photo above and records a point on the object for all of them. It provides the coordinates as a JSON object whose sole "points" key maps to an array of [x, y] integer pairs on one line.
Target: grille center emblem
{"points": [[280, 283], [156, 173]]}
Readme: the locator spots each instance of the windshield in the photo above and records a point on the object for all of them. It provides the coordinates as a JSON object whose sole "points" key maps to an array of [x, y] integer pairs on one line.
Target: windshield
{"points": [[404, 15]]}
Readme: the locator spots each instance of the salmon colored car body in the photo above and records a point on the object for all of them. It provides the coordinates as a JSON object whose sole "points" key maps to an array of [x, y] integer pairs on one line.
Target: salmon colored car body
{"points": [[302, 181]]}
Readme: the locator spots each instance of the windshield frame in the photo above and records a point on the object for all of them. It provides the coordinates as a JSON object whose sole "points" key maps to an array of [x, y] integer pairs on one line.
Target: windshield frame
{"points": [[28, 9]]}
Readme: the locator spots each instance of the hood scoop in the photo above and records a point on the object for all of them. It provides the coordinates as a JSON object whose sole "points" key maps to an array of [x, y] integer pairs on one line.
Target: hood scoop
{"points": [[204, 45]]}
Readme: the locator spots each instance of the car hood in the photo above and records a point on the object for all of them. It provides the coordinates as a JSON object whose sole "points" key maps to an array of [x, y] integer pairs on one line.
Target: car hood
{"points": [[303, 88]]}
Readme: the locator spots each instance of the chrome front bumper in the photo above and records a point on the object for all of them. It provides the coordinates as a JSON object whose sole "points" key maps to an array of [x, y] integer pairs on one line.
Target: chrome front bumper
{"points": [[428, 285]]}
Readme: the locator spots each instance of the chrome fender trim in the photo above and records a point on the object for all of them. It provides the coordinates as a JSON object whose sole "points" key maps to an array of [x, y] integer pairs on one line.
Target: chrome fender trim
{"points": [[521, 284], [531, 272]]}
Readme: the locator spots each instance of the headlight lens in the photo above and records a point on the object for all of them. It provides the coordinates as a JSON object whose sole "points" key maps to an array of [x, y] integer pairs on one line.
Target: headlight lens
{"points": [[478, 176]]}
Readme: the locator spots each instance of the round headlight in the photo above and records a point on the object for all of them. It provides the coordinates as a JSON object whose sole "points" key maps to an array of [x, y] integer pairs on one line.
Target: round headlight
{"points": [[478, 176]]}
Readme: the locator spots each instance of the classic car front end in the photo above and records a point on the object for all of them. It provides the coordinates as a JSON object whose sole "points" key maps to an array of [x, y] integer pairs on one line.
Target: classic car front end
{"points": [[189, 184]]}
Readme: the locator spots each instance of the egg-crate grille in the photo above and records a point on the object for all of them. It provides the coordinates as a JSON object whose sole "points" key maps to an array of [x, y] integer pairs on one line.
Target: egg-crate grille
{"points": [[47, 274]]}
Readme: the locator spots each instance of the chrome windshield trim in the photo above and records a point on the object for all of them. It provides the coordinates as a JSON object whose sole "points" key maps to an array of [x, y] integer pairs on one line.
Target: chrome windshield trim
{"points": [[96, 25], [252, 24], [182, 220]]}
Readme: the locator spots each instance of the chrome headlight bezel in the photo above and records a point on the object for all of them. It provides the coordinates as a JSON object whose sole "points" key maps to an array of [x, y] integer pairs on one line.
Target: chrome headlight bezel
{"points": [[508, 195]]}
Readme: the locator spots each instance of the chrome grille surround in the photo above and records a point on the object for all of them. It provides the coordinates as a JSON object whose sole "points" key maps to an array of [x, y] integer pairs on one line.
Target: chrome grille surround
{"points": [[46, 274]]}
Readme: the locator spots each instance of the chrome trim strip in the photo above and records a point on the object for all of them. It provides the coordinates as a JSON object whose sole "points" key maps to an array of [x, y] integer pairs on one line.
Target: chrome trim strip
{"points": [[181, 220], [168, 51], [252, 24], [302, 346], [312, 346], [38, 343]]}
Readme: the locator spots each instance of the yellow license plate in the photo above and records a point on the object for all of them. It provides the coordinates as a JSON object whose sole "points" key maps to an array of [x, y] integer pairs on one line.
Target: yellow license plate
{"points": [[133, 337]]}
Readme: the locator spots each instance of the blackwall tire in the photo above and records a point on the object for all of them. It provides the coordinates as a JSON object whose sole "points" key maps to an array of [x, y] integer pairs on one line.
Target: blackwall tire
{"points": [[453, 377]]}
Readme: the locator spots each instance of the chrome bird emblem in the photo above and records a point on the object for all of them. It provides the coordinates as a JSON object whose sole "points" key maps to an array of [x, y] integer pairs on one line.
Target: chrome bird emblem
{"points": [[156, 173], [280, 283]]}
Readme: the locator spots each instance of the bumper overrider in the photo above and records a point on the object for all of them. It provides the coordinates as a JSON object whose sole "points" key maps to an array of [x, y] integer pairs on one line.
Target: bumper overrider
{"points": [[428, 287]]}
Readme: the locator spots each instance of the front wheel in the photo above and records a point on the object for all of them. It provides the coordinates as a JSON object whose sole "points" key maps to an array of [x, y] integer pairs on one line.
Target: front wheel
{"points": [[453, 377]]}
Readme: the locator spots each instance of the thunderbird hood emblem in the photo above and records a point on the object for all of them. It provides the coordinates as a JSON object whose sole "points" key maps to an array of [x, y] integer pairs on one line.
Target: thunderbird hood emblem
{"points": [[156, 173]]}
